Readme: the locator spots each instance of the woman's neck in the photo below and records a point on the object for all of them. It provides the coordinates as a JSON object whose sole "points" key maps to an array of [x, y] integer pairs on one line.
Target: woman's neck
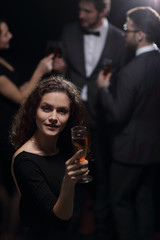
{"points": [[45, 145]]}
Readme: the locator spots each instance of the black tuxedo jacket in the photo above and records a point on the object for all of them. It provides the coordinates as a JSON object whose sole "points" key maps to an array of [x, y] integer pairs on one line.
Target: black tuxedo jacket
{"points": [[135, 110], [73, 51]]}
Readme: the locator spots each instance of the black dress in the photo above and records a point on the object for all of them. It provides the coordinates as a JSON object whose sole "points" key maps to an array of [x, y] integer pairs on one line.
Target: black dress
{"points": [[8, 109], [39, 179]]}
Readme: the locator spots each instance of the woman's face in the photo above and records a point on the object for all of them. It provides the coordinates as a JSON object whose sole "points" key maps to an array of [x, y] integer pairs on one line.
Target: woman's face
{"points": [[5, 36], [53, 113]]}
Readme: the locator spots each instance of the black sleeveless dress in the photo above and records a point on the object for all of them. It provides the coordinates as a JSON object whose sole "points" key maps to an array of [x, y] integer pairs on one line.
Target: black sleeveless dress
{"points": [[8, 109]]}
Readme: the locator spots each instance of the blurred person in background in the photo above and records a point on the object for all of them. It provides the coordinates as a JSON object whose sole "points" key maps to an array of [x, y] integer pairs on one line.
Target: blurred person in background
{"points": [[88, 46], [135, 114], [11, 96]]}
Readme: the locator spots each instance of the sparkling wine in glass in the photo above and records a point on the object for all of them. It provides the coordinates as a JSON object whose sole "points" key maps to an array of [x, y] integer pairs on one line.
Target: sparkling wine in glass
{"points": [[80, 141]]}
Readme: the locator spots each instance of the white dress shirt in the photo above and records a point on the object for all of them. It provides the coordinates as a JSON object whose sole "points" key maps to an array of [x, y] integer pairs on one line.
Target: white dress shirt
{"points": [[93, 47], [148, 48]]}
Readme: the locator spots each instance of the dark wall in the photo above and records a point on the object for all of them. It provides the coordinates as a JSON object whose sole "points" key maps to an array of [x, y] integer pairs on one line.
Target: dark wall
{"points": [[33, 22]]}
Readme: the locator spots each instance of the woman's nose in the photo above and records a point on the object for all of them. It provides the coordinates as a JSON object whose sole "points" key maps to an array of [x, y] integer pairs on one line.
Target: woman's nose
{"points": [[53, 120], [10, 35], [53, 117]]}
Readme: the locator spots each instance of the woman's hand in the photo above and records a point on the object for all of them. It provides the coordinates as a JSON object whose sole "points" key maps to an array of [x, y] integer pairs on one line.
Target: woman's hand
{"points": [[46, 64], [76, 169]]}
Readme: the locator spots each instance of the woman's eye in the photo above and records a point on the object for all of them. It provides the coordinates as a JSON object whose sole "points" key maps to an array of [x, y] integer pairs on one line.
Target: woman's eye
{"points": [[46, 108], [63, 110]]}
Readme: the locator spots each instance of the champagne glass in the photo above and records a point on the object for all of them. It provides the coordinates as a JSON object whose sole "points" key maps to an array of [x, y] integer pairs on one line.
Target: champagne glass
{"points": [[54, 47], [80, 141]]}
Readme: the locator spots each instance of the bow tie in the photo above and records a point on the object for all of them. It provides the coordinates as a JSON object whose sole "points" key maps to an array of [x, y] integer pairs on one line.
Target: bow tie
{"points": [[97, 33]]}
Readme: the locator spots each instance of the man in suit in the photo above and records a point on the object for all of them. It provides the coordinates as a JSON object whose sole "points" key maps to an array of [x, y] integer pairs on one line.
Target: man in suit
{"points": [[135, 113], [87, 45]]}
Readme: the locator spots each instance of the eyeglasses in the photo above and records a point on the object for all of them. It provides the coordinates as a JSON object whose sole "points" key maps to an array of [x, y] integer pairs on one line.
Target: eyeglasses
{"points": [[126, 30]]}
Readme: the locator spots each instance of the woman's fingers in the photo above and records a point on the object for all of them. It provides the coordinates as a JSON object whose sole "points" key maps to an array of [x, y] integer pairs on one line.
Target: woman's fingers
{"points": [[75, 168], [75, 157]]}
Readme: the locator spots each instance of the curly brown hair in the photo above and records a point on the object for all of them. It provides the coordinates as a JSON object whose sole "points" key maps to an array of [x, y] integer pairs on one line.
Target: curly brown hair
{"points": [[24, 125]]}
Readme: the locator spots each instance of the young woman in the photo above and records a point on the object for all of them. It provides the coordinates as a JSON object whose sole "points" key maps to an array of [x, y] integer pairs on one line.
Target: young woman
{"points": [[45, 167]]}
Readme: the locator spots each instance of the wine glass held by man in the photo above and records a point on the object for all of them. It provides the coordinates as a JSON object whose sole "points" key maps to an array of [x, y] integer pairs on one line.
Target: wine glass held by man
{"points": [[11, 96], [45, 167], [103, 80]]}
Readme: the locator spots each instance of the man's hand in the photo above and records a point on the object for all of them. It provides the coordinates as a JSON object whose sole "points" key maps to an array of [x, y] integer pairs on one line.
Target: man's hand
{"points": [[103, 80], [59, 65]]}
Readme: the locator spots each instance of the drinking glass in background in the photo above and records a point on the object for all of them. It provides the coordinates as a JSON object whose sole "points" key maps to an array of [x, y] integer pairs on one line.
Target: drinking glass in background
{"points": [[107, 66], [54, 47], [80, 141]]}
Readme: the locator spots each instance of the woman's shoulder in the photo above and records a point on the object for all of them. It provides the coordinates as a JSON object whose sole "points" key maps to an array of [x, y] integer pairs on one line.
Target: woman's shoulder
{"points": [[17, 153], [26, 147], [25, 158], [5, 65]]}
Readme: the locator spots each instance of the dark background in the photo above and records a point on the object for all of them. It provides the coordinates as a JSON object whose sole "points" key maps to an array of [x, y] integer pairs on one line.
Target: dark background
{"points": [[34, 22]]}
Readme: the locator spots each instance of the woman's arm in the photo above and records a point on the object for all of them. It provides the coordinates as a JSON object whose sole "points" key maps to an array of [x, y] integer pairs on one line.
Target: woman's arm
{"points": [[12, 92], [75, 170]]}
